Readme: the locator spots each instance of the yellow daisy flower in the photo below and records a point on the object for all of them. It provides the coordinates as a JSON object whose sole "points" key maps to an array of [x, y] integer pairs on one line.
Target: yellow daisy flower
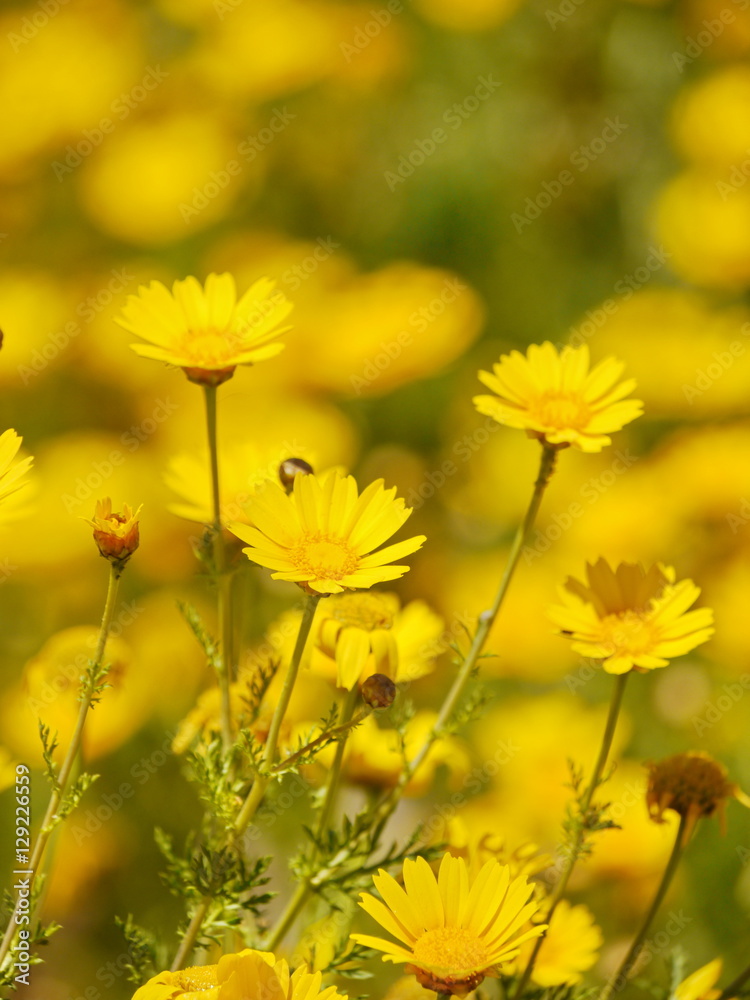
{"points": [[11, 471], [630, 618], [453, 934], [206, 331], [570, 947], [236, 977], [554, 397], [700, 985], [363, 634], [323, 535]]}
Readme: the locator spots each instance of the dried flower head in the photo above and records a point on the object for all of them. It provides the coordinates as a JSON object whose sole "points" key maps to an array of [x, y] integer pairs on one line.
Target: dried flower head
{"points": [[693, 785]]}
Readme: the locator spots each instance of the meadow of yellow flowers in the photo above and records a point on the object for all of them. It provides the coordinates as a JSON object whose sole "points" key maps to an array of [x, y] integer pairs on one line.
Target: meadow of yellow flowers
{"points": [[375, 499]]}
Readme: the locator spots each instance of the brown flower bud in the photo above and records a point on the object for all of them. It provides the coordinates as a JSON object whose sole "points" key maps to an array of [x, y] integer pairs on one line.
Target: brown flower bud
{"points": [[290, 468], [117, 535], [378, 691]]}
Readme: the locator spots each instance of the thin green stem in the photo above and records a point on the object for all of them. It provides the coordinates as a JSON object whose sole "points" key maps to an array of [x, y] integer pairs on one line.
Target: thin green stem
{"points": [[63, 777], [262, 780], [735, 986], [303, 890], [223, 581], [487, 618], [329, 801], [618, 982], [575, 848]]}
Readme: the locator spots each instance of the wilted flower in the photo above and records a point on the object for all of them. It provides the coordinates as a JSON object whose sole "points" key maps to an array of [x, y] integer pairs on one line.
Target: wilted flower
{"points": [[693, 785]]}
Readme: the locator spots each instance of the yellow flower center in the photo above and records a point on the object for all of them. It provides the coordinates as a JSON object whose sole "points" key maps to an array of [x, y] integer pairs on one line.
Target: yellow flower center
{"points": [[196, 979], [323, 557], [628, 632], [210, 348], [559, 409], [365, 611], [451, 948]]}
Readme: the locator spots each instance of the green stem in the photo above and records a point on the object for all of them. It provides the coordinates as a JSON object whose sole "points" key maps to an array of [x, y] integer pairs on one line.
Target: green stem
{"points": [[303, 890], [575, 848], [329, 801], [262, 781], [487, 618], [223, 581], [63, 777], [735, 986], [618, 982]]}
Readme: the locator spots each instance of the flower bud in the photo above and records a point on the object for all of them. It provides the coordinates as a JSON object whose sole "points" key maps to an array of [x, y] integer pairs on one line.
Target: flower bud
{"points": [[378, 691], [290, 468], [117, 535]]}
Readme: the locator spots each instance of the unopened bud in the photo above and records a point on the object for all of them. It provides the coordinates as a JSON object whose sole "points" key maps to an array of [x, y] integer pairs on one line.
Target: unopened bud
{"points": [[378, 691], [290, 468], [117, 535]]}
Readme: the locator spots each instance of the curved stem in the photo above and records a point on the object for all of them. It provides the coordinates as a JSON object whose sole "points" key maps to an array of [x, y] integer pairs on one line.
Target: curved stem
{"points": [[487, 618], [223, 583], [95, 676], [575, 848], [304, 889], [618, 982], [262, 781]]}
